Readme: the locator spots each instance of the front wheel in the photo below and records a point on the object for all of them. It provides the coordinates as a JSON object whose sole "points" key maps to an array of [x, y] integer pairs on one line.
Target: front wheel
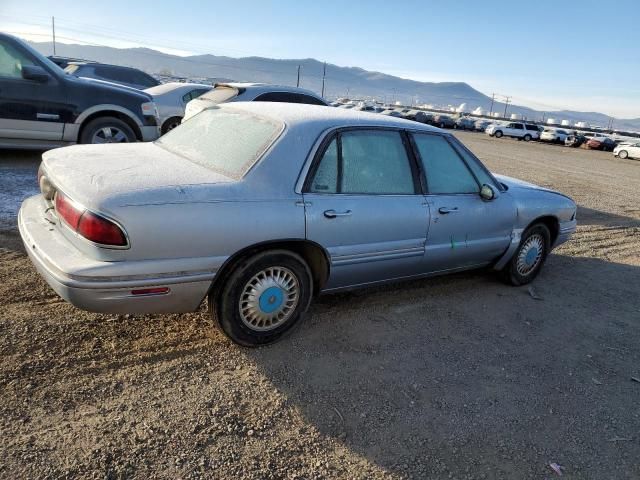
{"points": [[623, 154], [528, 259], [107, 130], [264, 298]]}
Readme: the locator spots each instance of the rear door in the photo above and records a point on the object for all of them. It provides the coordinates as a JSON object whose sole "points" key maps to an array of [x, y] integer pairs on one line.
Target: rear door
{"points": [[363, 204], [465, 230], [29, 110]]}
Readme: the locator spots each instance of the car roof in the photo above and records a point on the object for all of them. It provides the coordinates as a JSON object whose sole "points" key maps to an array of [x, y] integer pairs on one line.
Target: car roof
{"points": [[300, 114], [164, 88]]}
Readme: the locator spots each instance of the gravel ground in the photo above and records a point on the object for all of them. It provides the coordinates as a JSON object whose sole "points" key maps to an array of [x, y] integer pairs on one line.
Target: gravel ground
{"points": [[452, 377]]}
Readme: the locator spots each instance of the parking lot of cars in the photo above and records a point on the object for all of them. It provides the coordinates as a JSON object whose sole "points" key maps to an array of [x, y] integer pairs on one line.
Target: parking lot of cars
{"points": [[455, 376]]}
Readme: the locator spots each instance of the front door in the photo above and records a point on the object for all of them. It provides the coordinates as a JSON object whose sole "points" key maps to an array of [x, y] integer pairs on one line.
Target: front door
{"points": [[29, 110], [363, 205], [465, 230]]}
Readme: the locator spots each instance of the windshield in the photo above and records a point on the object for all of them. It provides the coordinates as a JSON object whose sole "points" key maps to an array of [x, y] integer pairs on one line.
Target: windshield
{"points": [[226, 141], [221, 94]]}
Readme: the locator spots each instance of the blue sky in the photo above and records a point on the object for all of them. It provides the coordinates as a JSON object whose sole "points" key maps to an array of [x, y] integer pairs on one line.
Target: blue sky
{"points": [[545, 54]]}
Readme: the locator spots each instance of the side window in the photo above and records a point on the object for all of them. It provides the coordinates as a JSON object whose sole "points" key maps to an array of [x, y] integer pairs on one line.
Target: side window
{"points": [[197, 93], [478, 169], [511, 125], [325, 179], [365, 162], [310, 100], [519, 126], [445, 170], [272, 97], [11, 61], [187, 97]]}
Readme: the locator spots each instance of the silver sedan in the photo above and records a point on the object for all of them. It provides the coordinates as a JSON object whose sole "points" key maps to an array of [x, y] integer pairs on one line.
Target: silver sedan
{"points": [[258, 207]]}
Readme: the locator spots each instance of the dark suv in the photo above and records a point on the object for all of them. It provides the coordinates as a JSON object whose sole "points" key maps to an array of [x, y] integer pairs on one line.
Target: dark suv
{"points": [[127, 76], [41, 106]]}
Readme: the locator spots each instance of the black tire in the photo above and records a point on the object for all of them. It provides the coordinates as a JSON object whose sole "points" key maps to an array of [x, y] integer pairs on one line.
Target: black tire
{"points": [[170, 124], [623, 154], [527, 138], [225, 306], [498, 134], [511, 274], [92, 130]]}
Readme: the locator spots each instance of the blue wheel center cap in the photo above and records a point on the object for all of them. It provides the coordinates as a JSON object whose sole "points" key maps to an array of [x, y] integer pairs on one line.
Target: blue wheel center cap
{"points": [[271, 299], [532, 254]]}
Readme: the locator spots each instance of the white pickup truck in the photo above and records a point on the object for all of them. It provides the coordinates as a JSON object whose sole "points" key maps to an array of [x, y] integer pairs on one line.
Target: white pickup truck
{"points": [[520, 130]]}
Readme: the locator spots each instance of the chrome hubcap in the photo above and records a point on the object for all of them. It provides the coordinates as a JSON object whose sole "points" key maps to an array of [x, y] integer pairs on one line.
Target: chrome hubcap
{"points": [[109, 135], [530, 254], [269, 298]]}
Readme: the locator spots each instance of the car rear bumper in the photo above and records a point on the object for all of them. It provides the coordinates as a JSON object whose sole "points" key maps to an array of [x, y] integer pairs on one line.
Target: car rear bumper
{"points": [[61, 264]]}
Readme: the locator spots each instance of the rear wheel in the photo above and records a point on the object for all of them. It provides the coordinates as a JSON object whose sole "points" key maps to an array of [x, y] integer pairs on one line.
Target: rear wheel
{"points": [[528, 259], [107, 130], [623, 154], [527, 138], [498, 134], [170, 124], [264, 298]]}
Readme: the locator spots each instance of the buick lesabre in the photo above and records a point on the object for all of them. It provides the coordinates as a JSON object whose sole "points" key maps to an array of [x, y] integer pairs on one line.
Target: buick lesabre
{"points": [[258, 207]]}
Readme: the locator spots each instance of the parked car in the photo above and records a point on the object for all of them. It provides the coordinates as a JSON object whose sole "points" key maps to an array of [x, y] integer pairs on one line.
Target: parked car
{"points": [[481, 125], [171, 100], [254, 92], [631, 150], [519, 130], [575, 140], [554, 135], [271, 204], [424, 117], [127, 76], [63, 62], [392, 113], [465, 123], [43, 107], [601, 143], [444, 121]]}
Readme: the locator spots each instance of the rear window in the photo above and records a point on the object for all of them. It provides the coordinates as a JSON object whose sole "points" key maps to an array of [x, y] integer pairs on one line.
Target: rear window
{"points": [[221, 94], [226, 141]]}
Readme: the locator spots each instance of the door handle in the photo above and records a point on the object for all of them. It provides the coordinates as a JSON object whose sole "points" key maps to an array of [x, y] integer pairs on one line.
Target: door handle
{"points": [[334, 214], [445, 210]]}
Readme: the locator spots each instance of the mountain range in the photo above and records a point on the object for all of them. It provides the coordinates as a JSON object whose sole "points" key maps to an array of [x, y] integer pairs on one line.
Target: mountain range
{"points": [[351, 82]]}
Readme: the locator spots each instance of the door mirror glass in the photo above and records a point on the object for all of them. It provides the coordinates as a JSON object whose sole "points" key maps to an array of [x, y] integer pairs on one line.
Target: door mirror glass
{"points": [[35, 73], [487, 192]]}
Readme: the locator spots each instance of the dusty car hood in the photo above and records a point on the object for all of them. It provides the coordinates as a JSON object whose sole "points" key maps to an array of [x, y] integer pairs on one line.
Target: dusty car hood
{"points": [[92, 174]]}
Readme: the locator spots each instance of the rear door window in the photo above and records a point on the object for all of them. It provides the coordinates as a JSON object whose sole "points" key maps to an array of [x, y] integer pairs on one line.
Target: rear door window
{"points": [[365, 162]]}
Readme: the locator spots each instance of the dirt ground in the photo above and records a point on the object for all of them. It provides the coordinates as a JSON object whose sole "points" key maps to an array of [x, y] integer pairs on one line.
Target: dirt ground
{"points": [[452, 377]]}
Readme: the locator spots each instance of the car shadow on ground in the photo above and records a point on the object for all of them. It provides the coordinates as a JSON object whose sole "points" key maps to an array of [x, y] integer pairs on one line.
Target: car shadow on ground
{"points": [[462, 375], [589, 216]]}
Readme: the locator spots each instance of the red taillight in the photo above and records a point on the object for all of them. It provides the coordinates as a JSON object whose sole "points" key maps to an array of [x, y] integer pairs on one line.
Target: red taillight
{"points": [[100, 230], [91, 226], [67, 211]]}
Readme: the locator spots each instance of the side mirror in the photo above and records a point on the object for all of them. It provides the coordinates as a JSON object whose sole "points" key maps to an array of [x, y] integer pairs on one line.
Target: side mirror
{"points": [[487, 192], [35, 73]]}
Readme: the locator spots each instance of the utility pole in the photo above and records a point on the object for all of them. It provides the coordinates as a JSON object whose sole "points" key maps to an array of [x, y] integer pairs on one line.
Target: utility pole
{"points": [[506, 104], [53, 29], [493, 98], [324, 73], [298, 82]]}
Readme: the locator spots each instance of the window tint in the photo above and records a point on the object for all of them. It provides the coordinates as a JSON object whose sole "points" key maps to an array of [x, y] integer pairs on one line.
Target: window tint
{"points": [[444, 169], [308, 99], [531, 127], [370, 162], [11, 61], [288, 97], [518, 126]]}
